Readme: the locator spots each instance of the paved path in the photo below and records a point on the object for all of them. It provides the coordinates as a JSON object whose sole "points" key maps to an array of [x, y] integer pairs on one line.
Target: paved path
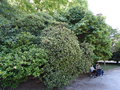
{"points": [[110, 81]]}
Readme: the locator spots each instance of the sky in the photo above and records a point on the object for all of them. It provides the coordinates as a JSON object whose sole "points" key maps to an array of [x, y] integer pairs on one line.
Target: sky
{"points": [[109, 8]]}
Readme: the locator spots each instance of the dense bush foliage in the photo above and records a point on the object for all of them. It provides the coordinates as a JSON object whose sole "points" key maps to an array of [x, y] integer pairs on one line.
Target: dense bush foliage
{"points": [[20, 52], [87, 56], [19, 63], [3, 21], [64, 55], [9, 12]]}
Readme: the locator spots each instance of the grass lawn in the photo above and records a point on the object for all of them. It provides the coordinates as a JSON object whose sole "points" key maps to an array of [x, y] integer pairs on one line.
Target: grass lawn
{"points": [[109, 66]]}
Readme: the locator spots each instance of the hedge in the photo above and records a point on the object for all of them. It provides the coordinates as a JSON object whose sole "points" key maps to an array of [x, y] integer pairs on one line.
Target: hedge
{"points": [[38, 46], [64, 63], [87, 56], [20, 53]]}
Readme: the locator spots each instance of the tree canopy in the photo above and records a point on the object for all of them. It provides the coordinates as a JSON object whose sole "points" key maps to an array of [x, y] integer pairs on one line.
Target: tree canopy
{"points": [[91, 29], [49, 6]]}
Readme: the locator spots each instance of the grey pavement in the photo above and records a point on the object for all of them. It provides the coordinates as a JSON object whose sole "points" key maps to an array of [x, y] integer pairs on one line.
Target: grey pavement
{"points": [[109, 81]]}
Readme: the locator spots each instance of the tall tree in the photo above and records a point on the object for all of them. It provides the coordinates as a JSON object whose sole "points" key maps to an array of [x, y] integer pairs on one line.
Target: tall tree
{"points": [[91, 29]]}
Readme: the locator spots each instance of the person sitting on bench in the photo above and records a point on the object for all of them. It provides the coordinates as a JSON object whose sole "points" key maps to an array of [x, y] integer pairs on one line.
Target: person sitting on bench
{"points": [[93, 71], [99, 70]]}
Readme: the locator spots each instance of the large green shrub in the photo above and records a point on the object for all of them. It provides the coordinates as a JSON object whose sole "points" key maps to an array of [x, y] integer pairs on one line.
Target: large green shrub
{"points": [[20, 57], [20, 63], [32, 23], [64, 61], [3, 21], [9, 12], [87, 56], [20, 52]]}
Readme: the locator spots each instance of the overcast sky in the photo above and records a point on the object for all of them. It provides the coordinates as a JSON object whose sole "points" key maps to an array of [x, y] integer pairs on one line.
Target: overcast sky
{"points": [[109, 8]]}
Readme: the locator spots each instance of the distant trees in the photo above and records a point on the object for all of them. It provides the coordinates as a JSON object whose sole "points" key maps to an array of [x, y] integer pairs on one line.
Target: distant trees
{"points": [[116, 52], [115, 36], [116, 56]]}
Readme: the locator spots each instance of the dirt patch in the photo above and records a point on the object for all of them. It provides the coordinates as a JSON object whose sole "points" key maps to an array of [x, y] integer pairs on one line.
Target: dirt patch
{"points": [[31, 84]]}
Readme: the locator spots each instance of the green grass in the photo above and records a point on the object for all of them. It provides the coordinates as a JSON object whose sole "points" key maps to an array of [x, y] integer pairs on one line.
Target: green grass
{"points": [[109, 66]]}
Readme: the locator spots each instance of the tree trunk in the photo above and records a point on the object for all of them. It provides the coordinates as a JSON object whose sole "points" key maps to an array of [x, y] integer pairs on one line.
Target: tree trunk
{"points": [[117, 62], [104, 64]]}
